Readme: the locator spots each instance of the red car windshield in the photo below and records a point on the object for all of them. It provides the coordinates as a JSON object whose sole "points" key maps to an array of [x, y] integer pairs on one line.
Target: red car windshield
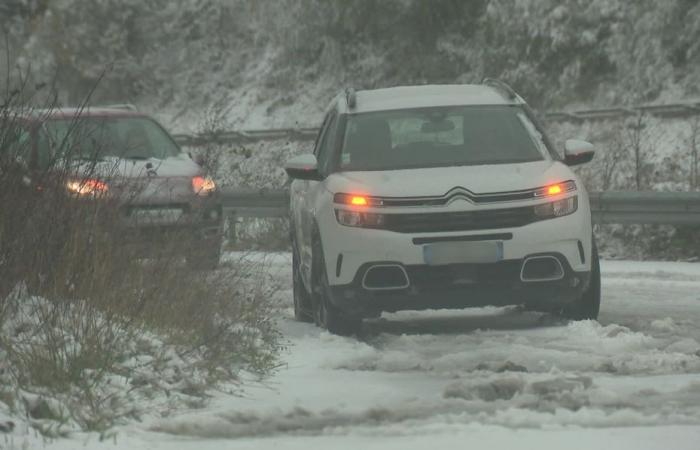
{"points": [[100, 137]]}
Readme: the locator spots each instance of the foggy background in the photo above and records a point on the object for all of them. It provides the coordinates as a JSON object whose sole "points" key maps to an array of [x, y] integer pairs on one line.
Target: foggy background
{"points": [[101, 350], [209, 66], [279, 62]]}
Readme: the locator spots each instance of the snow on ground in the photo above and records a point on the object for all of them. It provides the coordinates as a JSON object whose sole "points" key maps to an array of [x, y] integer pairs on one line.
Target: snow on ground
{"points": [[496, 378]]}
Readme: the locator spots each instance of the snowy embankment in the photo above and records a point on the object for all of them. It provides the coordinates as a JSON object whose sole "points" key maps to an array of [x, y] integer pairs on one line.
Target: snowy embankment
{"points": [[495, 378]]}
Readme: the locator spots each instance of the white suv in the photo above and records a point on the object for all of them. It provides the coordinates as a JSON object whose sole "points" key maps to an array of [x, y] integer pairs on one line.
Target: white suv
{"points": [[429, 197]]}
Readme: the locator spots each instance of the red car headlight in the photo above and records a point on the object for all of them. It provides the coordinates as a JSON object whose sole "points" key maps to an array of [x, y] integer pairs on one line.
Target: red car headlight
{"points": [[203, 185], [87, 186]]}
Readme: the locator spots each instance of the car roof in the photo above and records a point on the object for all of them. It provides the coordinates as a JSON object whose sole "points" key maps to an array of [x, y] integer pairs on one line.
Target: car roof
{"points": [[43, 115], [407, 97]]}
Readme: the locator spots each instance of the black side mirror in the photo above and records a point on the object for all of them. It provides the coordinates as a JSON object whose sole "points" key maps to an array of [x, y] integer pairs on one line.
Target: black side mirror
{"points": [[303, 167], [578, 152]]}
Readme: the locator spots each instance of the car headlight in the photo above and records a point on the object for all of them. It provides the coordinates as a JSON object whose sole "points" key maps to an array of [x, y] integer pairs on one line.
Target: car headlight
{"points": [[203, 185], [557, 208], [556, 189], [357, 200], [87, 186], [359, 218]]}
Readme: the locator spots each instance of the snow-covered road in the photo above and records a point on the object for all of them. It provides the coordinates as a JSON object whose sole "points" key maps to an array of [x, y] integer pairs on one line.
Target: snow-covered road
{"points": [[489, 378]]}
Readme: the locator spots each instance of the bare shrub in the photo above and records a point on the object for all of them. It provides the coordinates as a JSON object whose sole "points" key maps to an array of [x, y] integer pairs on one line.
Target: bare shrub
{"points": [[268, 234], [81, 304]]}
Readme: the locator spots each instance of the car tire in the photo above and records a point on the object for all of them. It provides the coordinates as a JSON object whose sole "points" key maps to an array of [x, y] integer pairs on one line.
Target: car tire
{"points": [[206, 257], [587, 306], [303, 311], [327, 315]]}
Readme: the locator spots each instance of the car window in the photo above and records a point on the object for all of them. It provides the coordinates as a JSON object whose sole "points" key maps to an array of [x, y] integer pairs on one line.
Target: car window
{"points": [[442, 136], [321, 133], [44, 152], [409, 130], [539, 132], [328, 140], [121, 137], [18, 143]]}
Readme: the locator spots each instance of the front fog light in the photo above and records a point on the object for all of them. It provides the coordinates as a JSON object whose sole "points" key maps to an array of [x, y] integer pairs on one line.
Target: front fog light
{"points": [[558, 208], [359, 219], [349, 218], [564, 207]]}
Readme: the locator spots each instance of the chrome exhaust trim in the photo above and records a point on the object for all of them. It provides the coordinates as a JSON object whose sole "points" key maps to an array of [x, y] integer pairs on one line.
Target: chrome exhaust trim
{"points": [[557, 274], [388, 287]]}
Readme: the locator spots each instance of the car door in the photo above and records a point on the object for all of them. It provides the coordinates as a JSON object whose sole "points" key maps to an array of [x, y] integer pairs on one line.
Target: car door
{"points": [[17, 151], [309, 190], [47, 169]]}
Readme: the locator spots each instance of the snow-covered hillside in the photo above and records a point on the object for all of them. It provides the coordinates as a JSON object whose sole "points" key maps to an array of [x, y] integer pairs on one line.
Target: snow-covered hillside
{"points": [[278, 63]]}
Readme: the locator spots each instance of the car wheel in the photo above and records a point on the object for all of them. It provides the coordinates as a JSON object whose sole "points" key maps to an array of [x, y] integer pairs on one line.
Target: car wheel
{"points": [[587, 306], [205, 257], [302, 298], [326, 315]]}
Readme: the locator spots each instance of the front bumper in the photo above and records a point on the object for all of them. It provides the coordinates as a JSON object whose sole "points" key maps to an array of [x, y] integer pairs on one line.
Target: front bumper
{"points": [[199, 225], [569, 236], [350, 251], [460, 286]]}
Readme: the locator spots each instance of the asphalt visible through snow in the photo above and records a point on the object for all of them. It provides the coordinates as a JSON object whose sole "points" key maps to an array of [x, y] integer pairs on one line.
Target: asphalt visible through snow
{"points": [[487, 378]]}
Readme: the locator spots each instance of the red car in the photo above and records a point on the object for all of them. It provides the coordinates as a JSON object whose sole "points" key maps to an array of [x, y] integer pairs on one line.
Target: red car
{"points": [[117, 153]]}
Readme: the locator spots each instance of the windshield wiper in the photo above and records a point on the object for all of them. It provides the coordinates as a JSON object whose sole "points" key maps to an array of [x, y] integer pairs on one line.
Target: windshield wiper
{"points": [[137, 157]]}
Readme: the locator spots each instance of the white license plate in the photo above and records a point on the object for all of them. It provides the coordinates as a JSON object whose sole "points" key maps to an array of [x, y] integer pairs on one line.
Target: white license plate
{"points": [[165, 216], [441, 253]]}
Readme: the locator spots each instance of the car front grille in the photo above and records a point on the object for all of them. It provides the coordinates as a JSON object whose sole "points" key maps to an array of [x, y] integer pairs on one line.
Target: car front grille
{"points": [[460, 221], [437, 278]]}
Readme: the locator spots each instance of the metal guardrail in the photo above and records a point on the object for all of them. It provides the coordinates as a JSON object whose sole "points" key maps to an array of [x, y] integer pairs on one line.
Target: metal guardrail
{"points": [[245, 136], [648, 208], [620, 207], [668, 110], [252, 203]]}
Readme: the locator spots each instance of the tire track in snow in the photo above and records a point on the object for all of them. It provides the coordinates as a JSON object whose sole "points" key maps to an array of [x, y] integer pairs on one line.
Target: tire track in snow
{"points": [[431, 370]]}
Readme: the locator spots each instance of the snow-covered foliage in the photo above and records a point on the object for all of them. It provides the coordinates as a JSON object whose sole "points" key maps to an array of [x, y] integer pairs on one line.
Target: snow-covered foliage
{"points": [[71, 365], [277, 63], [91, 331]]}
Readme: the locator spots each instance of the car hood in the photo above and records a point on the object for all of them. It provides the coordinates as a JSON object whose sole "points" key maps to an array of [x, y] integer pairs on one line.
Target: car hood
{"points": [[152, 181], [439, 180], [118, 168]]}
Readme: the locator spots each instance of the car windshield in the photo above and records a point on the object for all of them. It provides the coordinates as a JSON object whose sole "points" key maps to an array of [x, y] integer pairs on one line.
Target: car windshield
{"points": [[100, 137], [437, 137]]}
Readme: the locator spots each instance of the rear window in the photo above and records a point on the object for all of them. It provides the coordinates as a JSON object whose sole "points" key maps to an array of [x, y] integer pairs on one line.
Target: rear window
{"points": [[100, 137], [443, 136]]}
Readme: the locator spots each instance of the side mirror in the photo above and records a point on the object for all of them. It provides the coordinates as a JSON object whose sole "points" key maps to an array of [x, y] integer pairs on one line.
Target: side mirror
{"points": [[198, 159], [578, 152], [303, 167]]}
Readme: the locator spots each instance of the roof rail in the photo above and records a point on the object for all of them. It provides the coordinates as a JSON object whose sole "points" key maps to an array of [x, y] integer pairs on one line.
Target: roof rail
{"points": [[125, 106], [350, 97], [501, 86]]}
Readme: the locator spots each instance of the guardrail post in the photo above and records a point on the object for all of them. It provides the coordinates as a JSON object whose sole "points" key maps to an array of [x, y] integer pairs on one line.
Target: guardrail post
{"points": [[231, 228]]}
